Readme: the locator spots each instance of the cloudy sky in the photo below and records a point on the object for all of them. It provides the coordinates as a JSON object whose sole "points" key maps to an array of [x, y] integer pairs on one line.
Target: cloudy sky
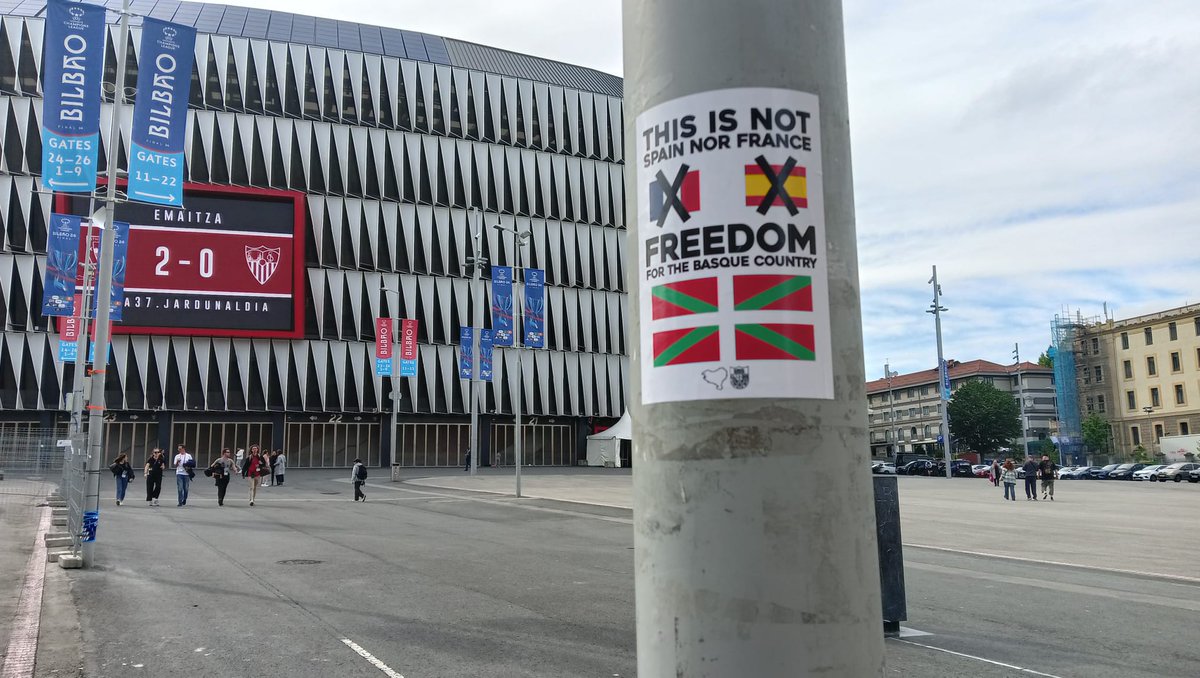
{"points": [[1044, 155]]}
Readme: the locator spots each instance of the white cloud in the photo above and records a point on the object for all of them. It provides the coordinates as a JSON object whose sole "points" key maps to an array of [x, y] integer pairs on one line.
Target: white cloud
{"points": [[1045, 155]]}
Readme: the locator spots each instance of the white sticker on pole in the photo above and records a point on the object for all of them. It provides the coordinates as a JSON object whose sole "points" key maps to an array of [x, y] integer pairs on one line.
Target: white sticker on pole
{"points": [[732, 267]]}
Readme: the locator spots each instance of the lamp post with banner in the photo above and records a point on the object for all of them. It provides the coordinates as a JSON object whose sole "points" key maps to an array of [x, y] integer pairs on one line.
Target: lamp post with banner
{"points": [[506, 331]]}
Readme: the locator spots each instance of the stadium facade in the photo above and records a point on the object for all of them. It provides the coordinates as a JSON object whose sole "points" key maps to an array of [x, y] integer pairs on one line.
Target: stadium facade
{"points": [[392, 143]]}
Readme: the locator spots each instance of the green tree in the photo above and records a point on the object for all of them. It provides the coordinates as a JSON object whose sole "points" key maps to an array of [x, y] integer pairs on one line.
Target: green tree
{"points": [[1045, 360], [1049, 449], [1095, 432], [983, 418], [1140, 455]]}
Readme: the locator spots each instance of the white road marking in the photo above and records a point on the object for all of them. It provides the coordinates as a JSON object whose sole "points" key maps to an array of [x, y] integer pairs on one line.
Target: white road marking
{"points": [[371, 658], [906, 632], [21, 656], [981, 659], [1096, 568]]}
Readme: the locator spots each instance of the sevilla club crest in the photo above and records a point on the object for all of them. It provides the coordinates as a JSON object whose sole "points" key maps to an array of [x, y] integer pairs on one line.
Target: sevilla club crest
{"points": [[262, 262]]}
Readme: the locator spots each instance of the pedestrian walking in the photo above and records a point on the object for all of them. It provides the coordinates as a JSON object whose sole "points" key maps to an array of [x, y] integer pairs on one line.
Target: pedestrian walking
{"points": [[358, 476], [253, 469], [123, 473], [1010, 480], [279, 467], [1031, 469], [996, 471], [153, 471], [1047, 470], [183, 463], [270, 481], [467, 460], [221, 471]]}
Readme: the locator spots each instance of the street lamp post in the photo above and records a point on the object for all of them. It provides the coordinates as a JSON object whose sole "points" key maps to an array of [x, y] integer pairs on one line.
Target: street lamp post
{"points": [[518, 338], [943, 370], [1021, 402], [477, 262], [395, 376], [895, 442]]}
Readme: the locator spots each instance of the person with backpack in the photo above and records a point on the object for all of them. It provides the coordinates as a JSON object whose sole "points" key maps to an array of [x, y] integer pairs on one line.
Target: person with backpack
{"points": [[1031, 470], [183, 463], [123, 472], [358, 476]]}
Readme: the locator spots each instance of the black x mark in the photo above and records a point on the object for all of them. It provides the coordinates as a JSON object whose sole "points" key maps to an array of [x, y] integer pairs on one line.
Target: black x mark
{"points": [[671, 195], [777, 190]]}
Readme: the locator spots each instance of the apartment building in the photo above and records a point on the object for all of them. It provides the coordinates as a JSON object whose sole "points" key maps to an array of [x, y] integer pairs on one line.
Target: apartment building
{"points": [[1142, 374], [905, 410]]}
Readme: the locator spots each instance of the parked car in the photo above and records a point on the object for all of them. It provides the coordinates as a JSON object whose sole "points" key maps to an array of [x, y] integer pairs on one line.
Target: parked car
{"points": [[1102, 472], [959, 468], [1125, 471], [1148, 472], [1194, 476], [1064, 471], [919, 467], [1080, 473], [1177, 471], [885, 467], [981, 470]]}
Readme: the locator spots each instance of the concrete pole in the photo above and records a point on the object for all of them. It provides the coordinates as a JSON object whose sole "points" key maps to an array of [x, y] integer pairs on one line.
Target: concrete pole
{"points": [[943, 376], [748, 560], [1021, 402], [476, 322], [393, 444], [96, 403], [887, 370]]}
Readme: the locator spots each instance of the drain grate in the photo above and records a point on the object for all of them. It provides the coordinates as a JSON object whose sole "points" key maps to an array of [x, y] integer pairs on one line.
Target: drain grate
{"points": [[299, 561]]}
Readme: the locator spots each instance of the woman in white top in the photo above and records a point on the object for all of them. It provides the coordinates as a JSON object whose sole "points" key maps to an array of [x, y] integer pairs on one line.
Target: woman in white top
{"points": [[280, 466]]}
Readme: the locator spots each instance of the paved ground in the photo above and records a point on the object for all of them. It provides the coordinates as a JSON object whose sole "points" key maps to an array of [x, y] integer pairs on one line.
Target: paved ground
{"points": [[444, 582]]}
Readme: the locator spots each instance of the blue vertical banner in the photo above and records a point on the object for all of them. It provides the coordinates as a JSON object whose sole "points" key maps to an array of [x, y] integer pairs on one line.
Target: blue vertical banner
{"points": [[945, 374], [62, 259], [485, 355], [466, 352], [120, 255], [502, 306], [535, 308], [160, 112], [73, 62]]}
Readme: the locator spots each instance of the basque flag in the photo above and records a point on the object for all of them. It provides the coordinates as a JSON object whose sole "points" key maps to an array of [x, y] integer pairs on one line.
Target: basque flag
{"points": [[772, 293], [683, 298], [775, 341], [689, 345]]}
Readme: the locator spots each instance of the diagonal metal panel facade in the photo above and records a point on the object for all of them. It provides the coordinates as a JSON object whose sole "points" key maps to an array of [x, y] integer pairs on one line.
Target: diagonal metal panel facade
{"points": [[395, 138]]}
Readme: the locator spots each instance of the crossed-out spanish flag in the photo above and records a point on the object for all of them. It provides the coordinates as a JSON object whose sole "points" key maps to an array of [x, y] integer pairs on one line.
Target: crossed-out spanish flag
{"points": [[758, 184]]}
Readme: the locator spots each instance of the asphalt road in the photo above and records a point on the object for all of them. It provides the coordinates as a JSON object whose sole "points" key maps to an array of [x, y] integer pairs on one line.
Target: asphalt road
{"points": [[434, 582]]}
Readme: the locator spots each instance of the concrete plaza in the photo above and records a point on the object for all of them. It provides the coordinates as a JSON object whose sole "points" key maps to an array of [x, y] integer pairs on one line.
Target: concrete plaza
{"points": [[445, 575]]}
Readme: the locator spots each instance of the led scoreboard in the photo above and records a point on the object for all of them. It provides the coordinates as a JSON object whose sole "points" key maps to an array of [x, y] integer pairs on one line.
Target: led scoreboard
{"points": [[229, 263]]}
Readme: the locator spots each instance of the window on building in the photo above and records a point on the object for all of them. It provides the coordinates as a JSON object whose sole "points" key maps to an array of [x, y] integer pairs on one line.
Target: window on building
{"points": [[914, 433], [912, 411], [928, 431], [1137, 435], [1155, 401], [1130, 400], [1087, 375], [1184, 429], [1100, 403], [1172, 331], [1125, 340], [1158, 432], [1179, 394], [912, 393], [1128, 364], [1095, 346], [1091, 404], [1198, 326], [1098, 373], [1149, 336], [924, 390], [1176, 362], [1151, 366]]}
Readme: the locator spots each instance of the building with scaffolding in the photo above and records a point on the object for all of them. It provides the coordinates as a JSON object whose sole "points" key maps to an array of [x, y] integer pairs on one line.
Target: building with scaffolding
{"points": [[1142, 374]]}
